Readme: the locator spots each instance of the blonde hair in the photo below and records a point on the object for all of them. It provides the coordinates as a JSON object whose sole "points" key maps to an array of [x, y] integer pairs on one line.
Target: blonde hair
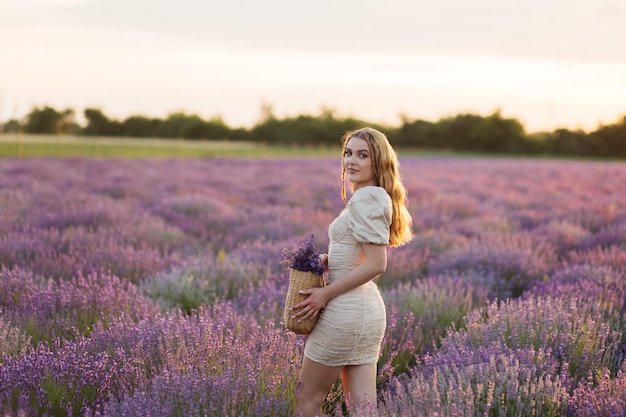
{"points": [[386, 172]]}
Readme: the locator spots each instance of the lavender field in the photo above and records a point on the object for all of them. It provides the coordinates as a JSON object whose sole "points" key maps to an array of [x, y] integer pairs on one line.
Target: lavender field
{"points": [[153, 288]]}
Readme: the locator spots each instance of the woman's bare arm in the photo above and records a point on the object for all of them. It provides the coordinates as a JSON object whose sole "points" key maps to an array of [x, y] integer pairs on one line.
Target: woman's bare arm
{"points": [[374, 265]]}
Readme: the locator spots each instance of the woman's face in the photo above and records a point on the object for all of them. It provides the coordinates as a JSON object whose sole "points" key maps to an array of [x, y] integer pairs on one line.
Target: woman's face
{"points": [[358, 163]]}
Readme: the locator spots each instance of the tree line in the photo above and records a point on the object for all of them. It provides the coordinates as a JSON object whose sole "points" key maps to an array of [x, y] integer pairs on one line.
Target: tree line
{"points": [[463, 132]]}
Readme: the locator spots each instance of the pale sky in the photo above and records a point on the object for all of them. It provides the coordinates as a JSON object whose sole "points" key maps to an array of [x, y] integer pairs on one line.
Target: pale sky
{"points": [[548, 63]]}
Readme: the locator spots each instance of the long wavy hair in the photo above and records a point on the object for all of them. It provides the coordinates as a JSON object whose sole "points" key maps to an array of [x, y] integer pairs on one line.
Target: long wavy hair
{"points": [[387, 175]]}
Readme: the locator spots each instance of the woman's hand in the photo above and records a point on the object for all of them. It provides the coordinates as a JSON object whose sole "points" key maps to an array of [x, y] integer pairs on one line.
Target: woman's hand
{"points": [[324, 260], [316, 300], [312, 306]]}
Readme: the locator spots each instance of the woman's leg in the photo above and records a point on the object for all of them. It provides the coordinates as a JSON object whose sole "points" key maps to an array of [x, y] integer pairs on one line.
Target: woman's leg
{"points": [[359, 386], [315, 382]]}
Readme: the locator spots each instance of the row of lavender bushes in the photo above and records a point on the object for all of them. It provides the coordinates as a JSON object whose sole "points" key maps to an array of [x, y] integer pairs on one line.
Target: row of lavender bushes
{"points": [[152, 287]]}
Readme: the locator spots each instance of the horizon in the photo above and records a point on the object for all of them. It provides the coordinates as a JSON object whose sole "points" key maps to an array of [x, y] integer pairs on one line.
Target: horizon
{"points": [[82, 122]]}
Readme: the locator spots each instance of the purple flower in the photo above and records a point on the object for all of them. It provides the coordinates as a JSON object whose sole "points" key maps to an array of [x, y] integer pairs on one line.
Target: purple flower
{"points": [[306, 258]]}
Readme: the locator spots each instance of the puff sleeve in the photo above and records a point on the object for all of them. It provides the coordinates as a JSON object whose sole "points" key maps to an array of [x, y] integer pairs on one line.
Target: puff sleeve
{"points": [[369, 215]]}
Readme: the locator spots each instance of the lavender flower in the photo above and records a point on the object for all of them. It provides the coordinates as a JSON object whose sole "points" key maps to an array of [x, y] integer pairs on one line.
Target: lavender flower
{"points": [[306, 258], [509, 301]]}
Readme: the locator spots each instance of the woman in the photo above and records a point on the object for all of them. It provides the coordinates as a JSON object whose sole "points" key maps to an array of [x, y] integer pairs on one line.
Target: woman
{"points": [[347, 337]]}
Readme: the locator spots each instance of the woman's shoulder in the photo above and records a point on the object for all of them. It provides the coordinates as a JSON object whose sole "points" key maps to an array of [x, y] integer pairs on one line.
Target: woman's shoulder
{"points": [[371, 192], [370, 215]]}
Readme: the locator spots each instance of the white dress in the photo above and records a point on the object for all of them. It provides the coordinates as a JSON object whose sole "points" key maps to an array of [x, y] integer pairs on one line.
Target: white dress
{"points": [[351, 328]]}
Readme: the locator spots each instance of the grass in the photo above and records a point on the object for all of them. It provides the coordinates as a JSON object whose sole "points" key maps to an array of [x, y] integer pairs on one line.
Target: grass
{"points": [[29, 146], [13, 145], [53, 146]]}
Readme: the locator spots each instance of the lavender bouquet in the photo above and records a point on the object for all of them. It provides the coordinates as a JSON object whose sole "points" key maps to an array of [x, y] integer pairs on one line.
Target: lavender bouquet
{"points": [[306, 258], [305, 271]]}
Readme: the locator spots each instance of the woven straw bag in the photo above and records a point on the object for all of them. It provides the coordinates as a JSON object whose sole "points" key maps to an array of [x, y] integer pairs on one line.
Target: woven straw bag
{"points": [[298, 281]]}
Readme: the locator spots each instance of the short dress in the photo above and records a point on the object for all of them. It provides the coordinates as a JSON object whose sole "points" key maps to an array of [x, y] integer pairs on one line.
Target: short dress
{"points": [[351, 328]]}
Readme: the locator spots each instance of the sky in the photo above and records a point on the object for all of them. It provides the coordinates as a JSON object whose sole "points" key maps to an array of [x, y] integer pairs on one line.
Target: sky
{"points": [[548, 63]]}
